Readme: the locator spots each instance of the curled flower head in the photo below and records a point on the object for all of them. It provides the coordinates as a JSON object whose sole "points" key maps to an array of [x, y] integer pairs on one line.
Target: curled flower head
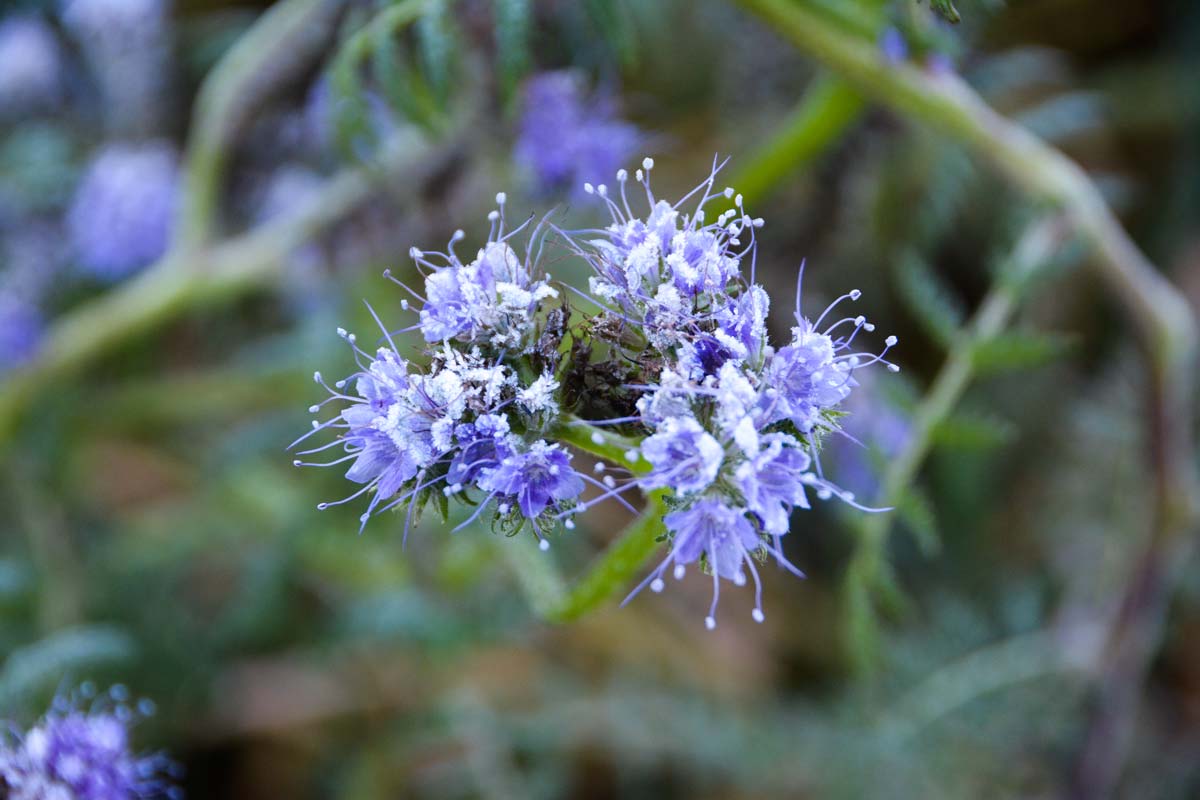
{"points": [[75, 753], [673, 355]]}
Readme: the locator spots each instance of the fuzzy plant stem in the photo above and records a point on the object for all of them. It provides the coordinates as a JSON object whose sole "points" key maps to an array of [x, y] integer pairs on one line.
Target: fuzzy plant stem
{"points": [[867, 565], [829, 107], [279, 42], [1161, 316]]}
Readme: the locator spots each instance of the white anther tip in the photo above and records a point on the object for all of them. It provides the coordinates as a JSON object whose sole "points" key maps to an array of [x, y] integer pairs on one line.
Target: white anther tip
{"points": [[587, 187], [501, 198], [296, 462], [544, 545], [569, 524], [647, 163], [597, 438], [622, 175], [757, 614], [855, 294], [710, 623], [657, 585], [893, 367], [891, 341], [680, 571]]}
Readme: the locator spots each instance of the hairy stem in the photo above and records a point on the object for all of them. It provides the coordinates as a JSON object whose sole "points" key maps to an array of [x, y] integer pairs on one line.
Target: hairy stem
{"points": [[1161, 316], [829, 107], [1034, 249], [187, 280], [280, 42]]}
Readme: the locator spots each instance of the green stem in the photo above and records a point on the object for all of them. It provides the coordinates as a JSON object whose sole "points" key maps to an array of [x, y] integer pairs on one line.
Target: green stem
{"points": [[615, 568], [867, 564], [828, 108], [181, 281], [602, 443], [232, 91]]}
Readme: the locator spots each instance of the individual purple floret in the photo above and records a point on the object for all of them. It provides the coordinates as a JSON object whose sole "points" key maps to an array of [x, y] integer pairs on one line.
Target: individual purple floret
{"points": [[30, 66], [727, 541], [84, 753], [539, 477], [21, 329], [568, 137], [685, 456], [122, 214]]}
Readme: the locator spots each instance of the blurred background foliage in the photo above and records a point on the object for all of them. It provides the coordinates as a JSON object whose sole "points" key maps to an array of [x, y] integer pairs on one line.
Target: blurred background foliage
{"points": [[272, 162]]}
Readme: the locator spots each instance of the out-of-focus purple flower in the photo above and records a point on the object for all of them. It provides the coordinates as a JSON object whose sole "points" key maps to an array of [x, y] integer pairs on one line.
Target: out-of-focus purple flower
{"points": [[30, 66], [77, 754], [882, 429], [127, 46], [568, 136], [21, 328], [122, 214], [893, 45]]}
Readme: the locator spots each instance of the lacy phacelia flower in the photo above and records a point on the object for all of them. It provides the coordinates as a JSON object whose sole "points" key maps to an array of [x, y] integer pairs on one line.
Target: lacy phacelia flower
{"points": [[568, 137], [78, 754], [121, 217], [673, 357], [469, 424]]}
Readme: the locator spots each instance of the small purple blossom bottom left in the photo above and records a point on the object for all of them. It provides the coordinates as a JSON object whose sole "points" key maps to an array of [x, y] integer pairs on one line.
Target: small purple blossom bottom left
{"points": [[80, 750]]}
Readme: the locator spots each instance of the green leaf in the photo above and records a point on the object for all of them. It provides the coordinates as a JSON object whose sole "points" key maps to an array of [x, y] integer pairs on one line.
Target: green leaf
{"points": [[916, 512], [1018, 350], [965, 431], [935, 306]]}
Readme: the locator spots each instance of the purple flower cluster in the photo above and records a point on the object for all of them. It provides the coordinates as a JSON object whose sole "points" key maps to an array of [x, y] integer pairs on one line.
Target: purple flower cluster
{"points": [[473, 422], [75, 753], [677, 359], [567, 136]]}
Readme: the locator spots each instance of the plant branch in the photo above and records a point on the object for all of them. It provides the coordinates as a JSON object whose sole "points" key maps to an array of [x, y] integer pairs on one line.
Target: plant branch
{"points": [[280, 41], [185, 280], [1035, 248], [1161, 316]]}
